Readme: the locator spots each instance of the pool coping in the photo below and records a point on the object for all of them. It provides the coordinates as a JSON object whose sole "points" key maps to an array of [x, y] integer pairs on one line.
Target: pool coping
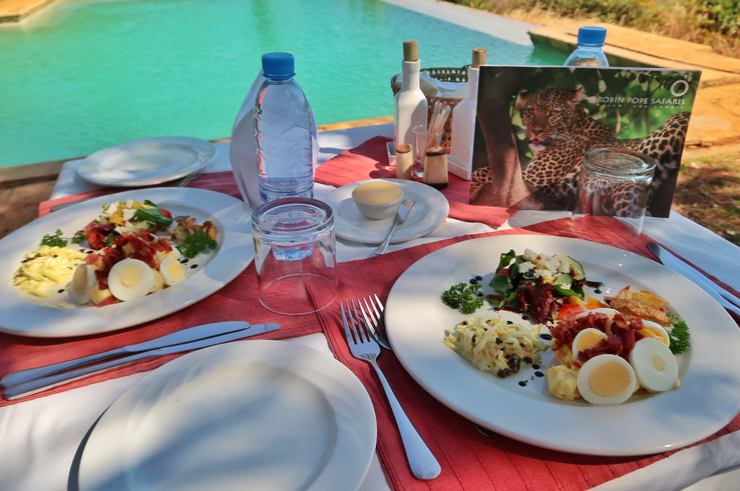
{"points": [[15, 11]]}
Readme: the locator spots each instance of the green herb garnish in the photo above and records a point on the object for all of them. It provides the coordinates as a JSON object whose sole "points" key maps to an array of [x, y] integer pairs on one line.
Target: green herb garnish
{"points": [[195, 243], [464, 297], [56, 239], [679, 335], [152, 215]]}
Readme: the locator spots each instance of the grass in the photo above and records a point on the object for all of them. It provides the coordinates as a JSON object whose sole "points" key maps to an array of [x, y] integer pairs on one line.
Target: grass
{"points": [[715, 23], [708, 192]]}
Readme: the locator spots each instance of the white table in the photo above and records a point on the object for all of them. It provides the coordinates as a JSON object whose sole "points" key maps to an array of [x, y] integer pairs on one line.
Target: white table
{"points": [[39, 439]]}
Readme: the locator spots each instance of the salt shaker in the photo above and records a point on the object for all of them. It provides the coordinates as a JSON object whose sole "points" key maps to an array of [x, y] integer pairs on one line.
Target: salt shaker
{"points": [[404, 162]]}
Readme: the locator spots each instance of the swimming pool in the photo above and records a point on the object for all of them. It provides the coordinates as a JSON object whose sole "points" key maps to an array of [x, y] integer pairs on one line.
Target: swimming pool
{"points": [[84, 74]]}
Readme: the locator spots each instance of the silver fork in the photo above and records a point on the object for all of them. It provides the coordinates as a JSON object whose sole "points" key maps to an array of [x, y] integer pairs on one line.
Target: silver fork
{"points": [[363, 347], [373, 319]]}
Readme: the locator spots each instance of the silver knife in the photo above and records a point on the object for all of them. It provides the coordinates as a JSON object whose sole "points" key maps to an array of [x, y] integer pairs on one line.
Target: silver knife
{"points": [[401, 215], [179, 337], [692, 275], [46, 383]]}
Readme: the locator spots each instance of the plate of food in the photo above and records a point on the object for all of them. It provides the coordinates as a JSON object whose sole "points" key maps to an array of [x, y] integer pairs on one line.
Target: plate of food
{"points": [[567, 344], [147, 161], [246, 415], [119, 260]]}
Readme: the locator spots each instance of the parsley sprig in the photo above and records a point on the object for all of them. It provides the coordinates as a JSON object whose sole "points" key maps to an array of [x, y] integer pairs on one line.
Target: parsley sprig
{"points": [[195, 243], [679, 335], [464, 297], [56, 239]]}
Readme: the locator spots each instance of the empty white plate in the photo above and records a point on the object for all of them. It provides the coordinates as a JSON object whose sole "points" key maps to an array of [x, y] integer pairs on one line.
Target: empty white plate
{"points": [[147, 161], [268, 415]]}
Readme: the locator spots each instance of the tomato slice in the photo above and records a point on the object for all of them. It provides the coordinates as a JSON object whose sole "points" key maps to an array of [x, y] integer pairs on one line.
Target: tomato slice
{"points": [[569, 311], [165, 213]]}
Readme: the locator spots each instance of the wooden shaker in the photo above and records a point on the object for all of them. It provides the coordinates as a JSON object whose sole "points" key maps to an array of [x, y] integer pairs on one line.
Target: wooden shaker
{"points": [[435, 168], [404, 161]]}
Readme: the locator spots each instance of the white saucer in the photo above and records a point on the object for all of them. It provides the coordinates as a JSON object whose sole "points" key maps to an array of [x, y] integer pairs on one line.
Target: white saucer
{"points": [[429, 211], [147, 161]]}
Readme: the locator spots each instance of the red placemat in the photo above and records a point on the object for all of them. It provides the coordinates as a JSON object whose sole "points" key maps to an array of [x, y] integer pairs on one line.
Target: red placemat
{"points": [[370, 161], [223, 182], [469, 460]]}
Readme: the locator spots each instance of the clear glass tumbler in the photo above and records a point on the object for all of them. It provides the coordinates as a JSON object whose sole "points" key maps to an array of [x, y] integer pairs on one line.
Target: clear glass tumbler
{"points": [[613, 190], [295, 255], [424, 140]]}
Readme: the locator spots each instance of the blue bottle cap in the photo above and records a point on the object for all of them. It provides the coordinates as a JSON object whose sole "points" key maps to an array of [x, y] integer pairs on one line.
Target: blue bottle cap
{"points": [[591, 36], [278, 65]]}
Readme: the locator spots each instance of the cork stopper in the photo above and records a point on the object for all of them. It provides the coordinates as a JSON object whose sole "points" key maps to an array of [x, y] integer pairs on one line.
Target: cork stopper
{"points": [[410, 51], [479, 57], [436, 151], [403, 148]]}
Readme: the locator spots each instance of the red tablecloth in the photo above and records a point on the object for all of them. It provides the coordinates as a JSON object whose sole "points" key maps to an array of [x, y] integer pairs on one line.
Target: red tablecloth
{"points": [[470, 461]]}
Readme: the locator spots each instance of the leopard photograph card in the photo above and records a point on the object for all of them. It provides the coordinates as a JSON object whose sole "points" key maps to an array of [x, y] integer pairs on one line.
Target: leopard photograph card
{"points": [[535, 123]]}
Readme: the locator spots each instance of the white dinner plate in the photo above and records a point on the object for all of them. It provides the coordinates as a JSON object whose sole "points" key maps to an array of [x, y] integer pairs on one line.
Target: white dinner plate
{"points": [[147, 161], [262, 415], [429, 211], [708, 399], [59, 316]]}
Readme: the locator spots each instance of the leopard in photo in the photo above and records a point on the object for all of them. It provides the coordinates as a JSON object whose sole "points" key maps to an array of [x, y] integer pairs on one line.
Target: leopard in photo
{"points": [[560, 131]]}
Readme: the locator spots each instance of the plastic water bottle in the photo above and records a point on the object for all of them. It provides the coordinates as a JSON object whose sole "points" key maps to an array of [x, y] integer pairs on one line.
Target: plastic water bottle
{"points": [[243, 152], [282, 130], [589, 51]]}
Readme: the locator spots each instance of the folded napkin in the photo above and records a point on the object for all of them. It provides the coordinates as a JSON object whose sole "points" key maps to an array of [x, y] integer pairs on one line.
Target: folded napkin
{"points": [[370, 161], [469, 460]]}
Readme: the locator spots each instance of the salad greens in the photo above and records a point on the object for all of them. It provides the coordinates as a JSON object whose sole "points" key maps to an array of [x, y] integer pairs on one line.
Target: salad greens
{"points": [[524, 290], [152, 215]]}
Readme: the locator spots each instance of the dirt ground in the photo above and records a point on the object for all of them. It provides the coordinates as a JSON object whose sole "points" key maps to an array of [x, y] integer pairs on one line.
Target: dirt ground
{"points": [[708, 191]]}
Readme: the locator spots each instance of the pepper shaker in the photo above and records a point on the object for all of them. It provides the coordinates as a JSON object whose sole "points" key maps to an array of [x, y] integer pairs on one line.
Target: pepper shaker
{"points": [[435, 168]]}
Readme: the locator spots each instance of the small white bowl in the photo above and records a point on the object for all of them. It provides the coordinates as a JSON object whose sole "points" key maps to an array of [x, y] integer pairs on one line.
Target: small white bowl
{"points": [[378, 199]]}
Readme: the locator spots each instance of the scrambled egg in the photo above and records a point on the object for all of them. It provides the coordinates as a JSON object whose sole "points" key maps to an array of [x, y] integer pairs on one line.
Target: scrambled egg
{"points": [[47, 267]]}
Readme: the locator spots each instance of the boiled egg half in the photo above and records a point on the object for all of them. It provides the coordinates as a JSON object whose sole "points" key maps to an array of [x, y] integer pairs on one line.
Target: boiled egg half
{"points": [[606, 380], [171, 270], [130, 279], [82, 282], [654, 364], [586, 339]]}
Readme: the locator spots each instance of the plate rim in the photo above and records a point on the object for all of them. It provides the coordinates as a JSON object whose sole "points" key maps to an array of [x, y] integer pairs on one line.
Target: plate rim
{"points": [[231, 259], [292, 356], [401, 235], [206, 154], [400, 333]]}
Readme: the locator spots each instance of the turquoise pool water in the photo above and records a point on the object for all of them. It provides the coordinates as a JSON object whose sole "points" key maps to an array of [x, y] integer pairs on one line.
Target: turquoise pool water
{"points": [[84, 75]]}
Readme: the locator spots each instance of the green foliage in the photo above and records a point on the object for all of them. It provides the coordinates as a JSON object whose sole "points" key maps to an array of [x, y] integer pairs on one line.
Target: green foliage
{"points": [[721, 16]]}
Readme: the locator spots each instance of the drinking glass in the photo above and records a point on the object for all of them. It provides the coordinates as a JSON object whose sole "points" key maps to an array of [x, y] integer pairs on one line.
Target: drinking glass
{"points": [[424, 140], [295, 255], [613, 190]]}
